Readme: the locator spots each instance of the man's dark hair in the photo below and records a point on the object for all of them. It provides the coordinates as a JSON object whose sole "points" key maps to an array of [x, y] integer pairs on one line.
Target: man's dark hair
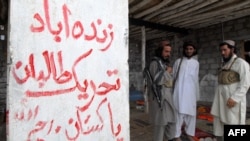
{"points": [[189, 43]]}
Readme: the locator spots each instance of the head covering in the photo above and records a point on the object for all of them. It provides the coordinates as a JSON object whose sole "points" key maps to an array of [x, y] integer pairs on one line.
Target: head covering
{"points": [[186, 44], [189, 43], [161, 45], [229, 42], [165, 43]]}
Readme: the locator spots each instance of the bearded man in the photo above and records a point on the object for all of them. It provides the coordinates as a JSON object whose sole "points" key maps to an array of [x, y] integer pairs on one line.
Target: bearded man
{"points": [[162, 116], [229, 104]]}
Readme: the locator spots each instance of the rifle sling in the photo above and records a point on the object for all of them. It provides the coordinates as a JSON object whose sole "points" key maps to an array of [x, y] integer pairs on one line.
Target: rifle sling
{"points": [[177, 73]]}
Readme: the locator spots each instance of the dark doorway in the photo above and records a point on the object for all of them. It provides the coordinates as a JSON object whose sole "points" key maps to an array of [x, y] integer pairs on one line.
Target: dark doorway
{"points": [[247, 51]]}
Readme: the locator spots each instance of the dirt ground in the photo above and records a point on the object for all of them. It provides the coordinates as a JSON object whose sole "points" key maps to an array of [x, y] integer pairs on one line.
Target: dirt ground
{"points": [[141, 130]]}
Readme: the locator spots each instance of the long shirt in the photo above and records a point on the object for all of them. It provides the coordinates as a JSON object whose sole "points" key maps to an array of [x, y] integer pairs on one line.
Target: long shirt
{"points": [[186, 88], [166, 114], [237, 91]]}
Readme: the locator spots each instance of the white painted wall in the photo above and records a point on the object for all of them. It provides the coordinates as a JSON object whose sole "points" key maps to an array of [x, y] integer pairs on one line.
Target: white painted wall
{"points": [[68, 71]]}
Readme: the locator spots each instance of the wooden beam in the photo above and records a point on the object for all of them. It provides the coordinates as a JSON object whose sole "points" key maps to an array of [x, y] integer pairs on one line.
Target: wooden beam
{"points": [[191, 8], [154, 8], [139, 5], [152, 25], [157, 12]]}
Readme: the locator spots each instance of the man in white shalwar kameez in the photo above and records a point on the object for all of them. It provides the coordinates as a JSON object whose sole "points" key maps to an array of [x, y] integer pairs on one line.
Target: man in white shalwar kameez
{"points": [[229, 105], [186, 90]]}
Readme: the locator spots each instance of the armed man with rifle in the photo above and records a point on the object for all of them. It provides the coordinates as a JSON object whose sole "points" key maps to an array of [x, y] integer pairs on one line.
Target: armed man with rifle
{"points": [[161, 108]]}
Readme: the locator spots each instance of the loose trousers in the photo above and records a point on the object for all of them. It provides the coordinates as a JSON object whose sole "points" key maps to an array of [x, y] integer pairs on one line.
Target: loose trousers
{"points": [[161, 131]]}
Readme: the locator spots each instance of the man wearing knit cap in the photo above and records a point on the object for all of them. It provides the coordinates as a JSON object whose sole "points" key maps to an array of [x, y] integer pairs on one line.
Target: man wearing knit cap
{"points": [[229, 104]]}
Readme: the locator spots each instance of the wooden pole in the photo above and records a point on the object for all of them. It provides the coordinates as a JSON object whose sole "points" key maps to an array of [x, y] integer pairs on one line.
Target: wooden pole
{"points": [[143, 51]]}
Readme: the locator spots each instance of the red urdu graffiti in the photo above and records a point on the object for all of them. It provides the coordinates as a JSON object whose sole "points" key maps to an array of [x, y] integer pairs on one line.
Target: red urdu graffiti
{"points": [[79, 124], [87, 91], [77, 31], [64, 77]]}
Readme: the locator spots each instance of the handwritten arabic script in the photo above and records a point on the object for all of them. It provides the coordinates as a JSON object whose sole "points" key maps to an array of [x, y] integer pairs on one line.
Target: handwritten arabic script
{"points": [[76, 31], [52, 76]]}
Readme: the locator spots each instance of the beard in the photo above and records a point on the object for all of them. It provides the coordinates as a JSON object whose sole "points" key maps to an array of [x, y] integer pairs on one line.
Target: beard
{"points": [[166, 61], [228, 58], [188, 56]]}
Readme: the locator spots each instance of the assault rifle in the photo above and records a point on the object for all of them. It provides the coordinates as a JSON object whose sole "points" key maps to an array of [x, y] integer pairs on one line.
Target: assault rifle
{"points": [[154, 87]]}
